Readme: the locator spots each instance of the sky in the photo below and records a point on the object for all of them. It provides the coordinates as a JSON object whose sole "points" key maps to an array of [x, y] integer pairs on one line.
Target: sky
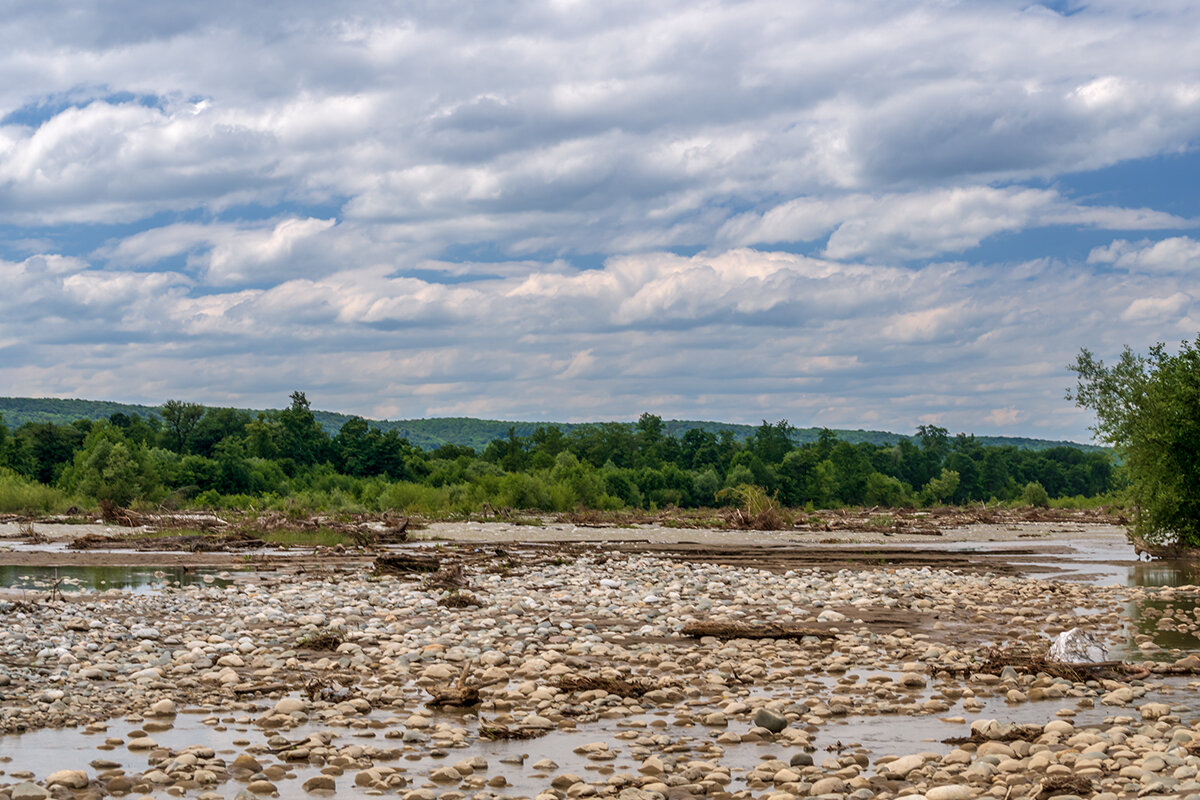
{"points": [[854, 215]]}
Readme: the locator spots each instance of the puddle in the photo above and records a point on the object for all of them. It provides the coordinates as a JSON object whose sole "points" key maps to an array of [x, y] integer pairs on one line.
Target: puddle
{"points": [[138, 580]]}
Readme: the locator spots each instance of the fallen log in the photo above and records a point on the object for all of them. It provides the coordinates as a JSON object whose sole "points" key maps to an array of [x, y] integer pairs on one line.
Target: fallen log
{"points": [[743, 630], [403, 563]]}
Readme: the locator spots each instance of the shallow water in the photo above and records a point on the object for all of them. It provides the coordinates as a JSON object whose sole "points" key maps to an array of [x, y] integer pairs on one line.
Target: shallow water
{"points": [[138, 580]]}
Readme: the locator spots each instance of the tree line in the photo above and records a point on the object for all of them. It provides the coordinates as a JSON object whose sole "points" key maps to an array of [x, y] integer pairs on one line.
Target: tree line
{"points": [[197, 456]]}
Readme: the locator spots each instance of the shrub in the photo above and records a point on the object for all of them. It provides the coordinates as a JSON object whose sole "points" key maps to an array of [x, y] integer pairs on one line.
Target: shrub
{"points": [[1034, 494]]}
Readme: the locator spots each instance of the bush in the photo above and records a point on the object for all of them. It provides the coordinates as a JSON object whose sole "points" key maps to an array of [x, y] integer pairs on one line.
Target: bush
{"points": [[756, 510], [1034, 494], [19, 495]]}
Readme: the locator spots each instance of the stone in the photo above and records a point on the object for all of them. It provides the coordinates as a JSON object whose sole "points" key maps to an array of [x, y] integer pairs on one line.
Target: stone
{"points": [[828, 786], [28, 791], [320, 783], [903, 765], [163, 708], [71, 778], [289, 705], [953, 792], [771, 720]]}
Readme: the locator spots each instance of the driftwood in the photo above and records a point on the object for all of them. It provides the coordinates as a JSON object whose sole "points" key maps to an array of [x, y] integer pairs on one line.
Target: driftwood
{"points": [[622, 687], [1017, 733], [451, 576], [494, 731], [1026, 662], [263, 688], [1055, 785], [742, 630], [405, 563], [457, 694]]}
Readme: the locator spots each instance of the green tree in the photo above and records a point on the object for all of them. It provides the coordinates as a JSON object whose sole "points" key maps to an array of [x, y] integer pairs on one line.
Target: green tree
{"points": [[301, 437], [1148, 408], [181, 420], [108, 467]]}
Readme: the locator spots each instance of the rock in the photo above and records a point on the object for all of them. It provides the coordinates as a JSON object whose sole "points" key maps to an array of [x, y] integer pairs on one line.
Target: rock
{"points": [[71, 778], [289, 705], [801, 760], [28, 791], [828, 786], [954, 792], [445, 775], [829, 615], [142, 743], [1077, 646], [902, 766], [771, 720], [163, 708], [246, 762], [324, 783], [262, 787], [1154, 710]]}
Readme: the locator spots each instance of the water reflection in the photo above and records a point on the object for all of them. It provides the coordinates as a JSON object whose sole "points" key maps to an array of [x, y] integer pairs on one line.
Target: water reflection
{"points": [[1165, 572], [141, 580]]}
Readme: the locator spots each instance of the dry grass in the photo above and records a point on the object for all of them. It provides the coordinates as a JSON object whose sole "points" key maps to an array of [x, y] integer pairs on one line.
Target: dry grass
{"points": [[756, 510], [457, 599], [325, 640], [1054, 785]]}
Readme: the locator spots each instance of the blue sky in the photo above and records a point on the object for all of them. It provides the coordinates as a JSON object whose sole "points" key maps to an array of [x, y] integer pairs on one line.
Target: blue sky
{"points": [[855, 215]]}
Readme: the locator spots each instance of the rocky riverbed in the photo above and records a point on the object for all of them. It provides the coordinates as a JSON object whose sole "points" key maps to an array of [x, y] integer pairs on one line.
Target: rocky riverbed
{"points": [[578, 679]]}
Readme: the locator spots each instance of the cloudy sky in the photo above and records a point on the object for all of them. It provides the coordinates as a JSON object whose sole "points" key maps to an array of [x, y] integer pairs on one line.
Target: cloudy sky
{"points": [[845, 214]]}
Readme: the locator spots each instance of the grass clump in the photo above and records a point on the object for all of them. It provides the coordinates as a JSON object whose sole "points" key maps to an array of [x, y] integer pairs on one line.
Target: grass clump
{"points": [[321, 640], [20, 495], [755, 510]]}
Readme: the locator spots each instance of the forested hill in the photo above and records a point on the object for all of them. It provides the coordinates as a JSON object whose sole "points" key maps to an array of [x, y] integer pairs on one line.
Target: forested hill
{"points": [[474, 433]]}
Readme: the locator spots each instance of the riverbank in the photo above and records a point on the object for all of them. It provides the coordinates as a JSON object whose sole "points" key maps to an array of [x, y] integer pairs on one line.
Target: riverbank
{"points": [[315, 675]]}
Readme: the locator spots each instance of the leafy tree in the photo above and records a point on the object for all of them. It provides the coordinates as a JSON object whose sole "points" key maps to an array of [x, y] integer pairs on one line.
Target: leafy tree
{"points": [[181, 420], [108, 467], [941, 488], [1148, 408], [301, 437], [772, 442]]}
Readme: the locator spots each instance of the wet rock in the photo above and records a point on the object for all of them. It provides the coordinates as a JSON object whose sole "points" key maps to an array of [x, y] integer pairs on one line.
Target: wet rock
{"points": [[771, 720], [324, 783], [71, 778], [26, 790]]}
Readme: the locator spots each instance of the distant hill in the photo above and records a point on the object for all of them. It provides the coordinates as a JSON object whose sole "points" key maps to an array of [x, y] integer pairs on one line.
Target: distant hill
{"points": [[476, 433]]}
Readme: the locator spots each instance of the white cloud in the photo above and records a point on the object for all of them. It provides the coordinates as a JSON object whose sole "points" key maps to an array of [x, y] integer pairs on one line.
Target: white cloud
{"points": [[395, 210], [737, 335], [1157, 308], [924, 223], [1175, 254]]}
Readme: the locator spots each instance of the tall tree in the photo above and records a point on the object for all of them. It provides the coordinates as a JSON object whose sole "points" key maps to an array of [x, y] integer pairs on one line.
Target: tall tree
{"points": [[1148, 408], [181, 420]]}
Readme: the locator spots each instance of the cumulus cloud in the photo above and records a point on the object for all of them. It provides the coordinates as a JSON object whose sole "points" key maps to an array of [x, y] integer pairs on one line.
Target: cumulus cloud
{"points": [[920, 224], [573, 210], [1174, 254], [736, 335]]}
